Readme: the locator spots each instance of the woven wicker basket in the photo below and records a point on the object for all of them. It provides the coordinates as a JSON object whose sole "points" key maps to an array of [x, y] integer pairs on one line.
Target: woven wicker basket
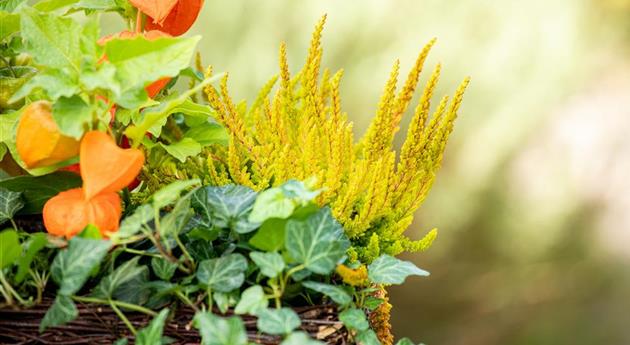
{"points": [[101, 325]]}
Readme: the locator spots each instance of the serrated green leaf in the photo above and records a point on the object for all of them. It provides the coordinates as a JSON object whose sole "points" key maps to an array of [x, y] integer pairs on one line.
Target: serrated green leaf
{"points": [[163, 268], [354, 319], [270, 236], [72, 267], [132, 224], [152, 334], [228, 206], [318, 242], [35, 243], [270, 264], [51, 39], [336, 293], [121, 275], [72, 115], [278, 321], [10, 249], [10, 204], [300, 338], [367, 337], [55, 82], [216, 330], [183, 149], [252, 301], [389, 270], [223, 274], [62, 311], [169, 194]]}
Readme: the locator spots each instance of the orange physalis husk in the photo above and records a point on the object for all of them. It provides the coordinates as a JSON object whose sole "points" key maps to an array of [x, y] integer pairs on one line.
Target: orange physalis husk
{"points": [[39, 141], [154, 88], [156, 9], [68, 213], [105, 167], [179, 20]]}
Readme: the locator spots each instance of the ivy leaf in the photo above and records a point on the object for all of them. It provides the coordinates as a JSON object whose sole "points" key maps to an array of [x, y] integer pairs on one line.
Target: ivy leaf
{"points": [[389, 270], [72, 115], [225, 300], [216, 330], [132, 224], [270, 236], [121, 275], [51, 40], [135, 290], [405, 341], [223, 274], [163, 268], [10, 249], [278, 321], [167, 195], [36, 190], [318, 242], [271, 203], [72, 267], [252, 301], [270, 264], [35, 243], [183, 149], [298, 191], [354, 319], [300, 338], [10, 203], [227, 206], [177, 218], [371, 302], [152, 334], [62, 311], [337, 294], [367, 337]]}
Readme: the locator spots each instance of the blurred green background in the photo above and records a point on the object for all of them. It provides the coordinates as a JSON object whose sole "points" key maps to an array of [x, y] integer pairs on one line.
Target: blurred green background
{"points": [[533, 201]]}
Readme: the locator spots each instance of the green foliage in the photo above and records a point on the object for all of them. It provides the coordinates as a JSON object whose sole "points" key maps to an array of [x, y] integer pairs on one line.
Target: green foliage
{"points": [[10, 204], [270, 264], [36, 190], [318, 242], [163, 268], [73, 266], [35, 243], [354, 319], [389, 270], [10, 249], [62, 311], [152, 334], [278, 321], [125, 273], [215, 330], [367, 337], [337, 294], [227, 206], [252, 301], [223, 274]]}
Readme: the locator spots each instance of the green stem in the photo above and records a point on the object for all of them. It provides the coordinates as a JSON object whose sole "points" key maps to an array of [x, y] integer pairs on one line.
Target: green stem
{"points": [[141, 252], [189, 258], [14, 224], [122, 316], [9, 289], [121, 304], [186, 300], [7, 296]]}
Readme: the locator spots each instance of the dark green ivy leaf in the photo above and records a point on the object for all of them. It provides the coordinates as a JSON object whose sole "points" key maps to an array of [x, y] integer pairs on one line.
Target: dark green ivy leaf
{"points": [[61, 312], [72, 267]]}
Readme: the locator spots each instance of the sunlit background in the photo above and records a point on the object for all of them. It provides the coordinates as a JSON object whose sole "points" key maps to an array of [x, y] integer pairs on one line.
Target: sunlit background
{"points": [[533, 201]]}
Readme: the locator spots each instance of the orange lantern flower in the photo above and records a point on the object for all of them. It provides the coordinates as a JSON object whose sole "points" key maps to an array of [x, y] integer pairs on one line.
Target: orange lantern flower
{"points": [[39, 142], [68, 213], [154, 88], [105, 169], [180, 17]]}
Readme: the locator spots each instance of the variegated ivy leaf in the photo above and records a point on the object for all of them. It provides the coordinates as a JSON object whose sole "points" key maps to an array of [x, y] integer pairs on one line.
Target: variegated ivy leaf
{"points": [[278, 321], [152, 334], [367, 337], [72, 267], [126, 272], [226, 206], [318, 241], [10, 203], [223, 274], [336, 293], [354, 319], [270, 264], [252, 301], [300, 338], [280, 202], [215, 330], [163, 268], [389, 270], [169, 194], [62, 311], [132, 224]]}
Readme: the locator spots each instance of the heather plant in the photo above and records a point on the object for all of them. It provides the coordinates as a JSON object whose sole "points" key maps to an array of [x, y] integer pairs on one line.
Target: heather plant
{"points": [[299, 131]]}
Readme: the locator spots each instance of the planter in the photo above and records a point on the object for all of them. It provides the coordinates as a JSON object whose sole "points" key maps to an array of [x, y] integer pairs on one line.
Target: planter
{"points": [[101, 325]]}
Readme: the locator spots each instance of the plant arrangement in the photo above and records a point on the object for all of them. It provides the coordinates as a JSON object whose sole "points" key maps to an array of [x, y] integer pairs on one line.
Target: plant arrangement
{"points": [[170, 216]]}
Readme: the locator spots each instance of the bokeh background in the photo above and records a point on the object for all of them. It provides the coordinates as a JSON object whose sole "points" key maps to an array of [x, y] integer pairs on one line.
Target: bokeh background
{"points": [[533, 201]]}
